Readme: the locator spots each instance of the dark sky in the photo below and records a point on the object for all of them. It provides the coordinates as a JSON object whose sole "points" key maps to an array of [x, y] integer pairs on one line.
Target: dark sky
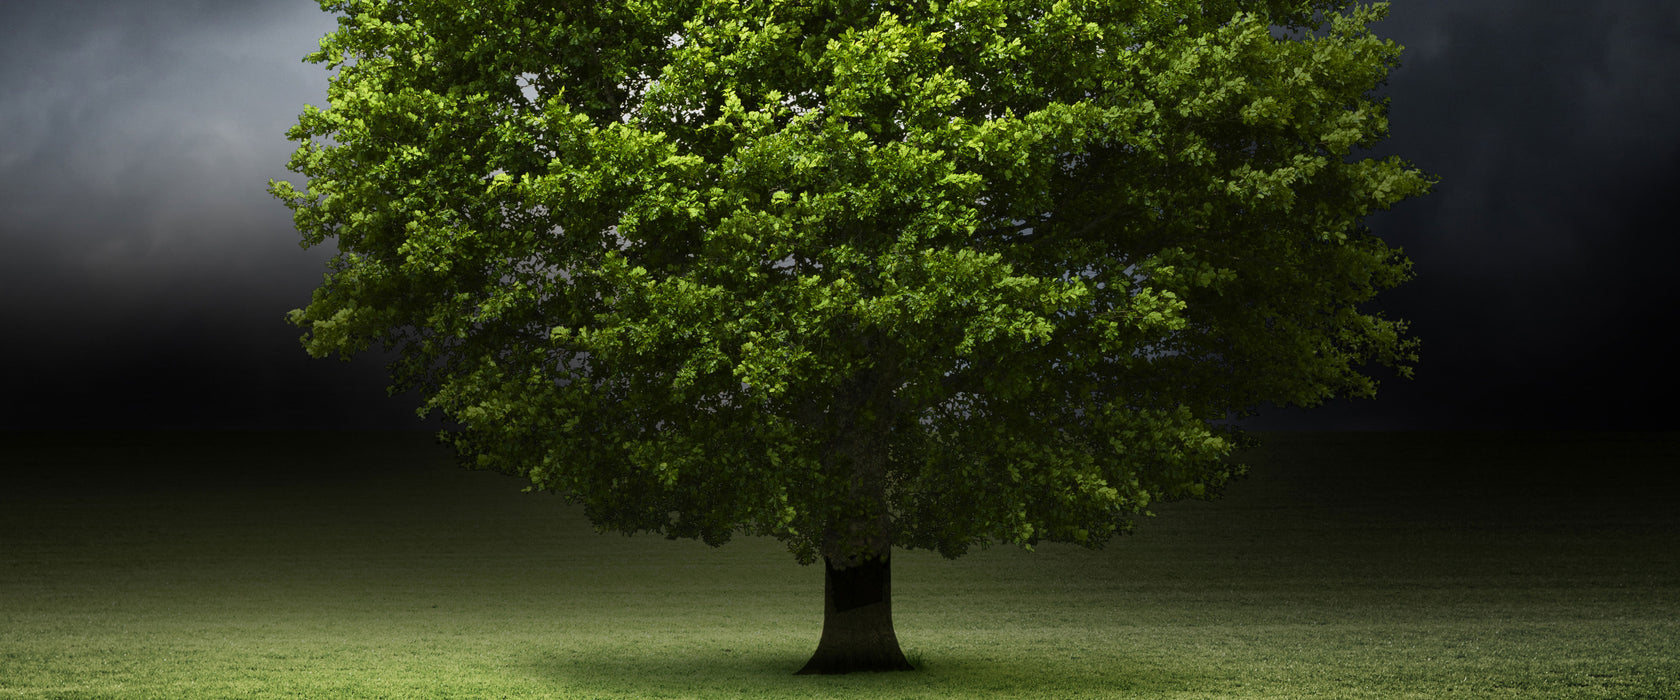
{"points": [[145, 272]]}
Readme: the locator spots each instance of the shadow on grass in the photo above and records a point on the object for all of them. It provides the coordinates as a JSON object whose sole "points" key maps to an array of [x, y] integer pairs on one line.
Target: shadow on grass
{"points": [[702, 672]]}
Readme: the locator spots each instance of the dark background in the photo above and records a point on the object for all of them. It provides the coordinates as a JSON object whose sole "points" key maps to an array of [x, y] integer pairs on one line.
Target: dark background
{"points": [[145, 273]]}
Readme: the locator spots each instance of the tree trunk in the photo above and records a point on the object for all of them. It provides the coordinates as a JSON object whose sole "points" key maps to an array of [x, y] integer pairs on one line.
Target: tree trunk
{"points": [[857, 620], [857, 543]]}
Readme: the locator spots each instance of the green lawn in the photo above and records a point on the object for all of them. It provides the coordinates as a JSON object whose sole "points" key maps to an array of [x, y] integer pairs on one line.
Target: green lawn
{"points": [[323, 566]]}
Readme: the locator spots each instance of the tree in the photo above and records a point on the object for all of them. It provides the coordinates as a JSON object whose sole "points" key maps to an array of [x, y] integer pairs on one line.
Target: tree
{"points": [[855, 274]]}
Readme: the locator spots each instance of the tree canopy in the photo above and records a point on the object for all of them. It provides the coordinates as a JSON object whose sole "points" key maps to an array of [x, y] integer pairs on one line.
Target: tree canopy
{"points": [[856, 274]]}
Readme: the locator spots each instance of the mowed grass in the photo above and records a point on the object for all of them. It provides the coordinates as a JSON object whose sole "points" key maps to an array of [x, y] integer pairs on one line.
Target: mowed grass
{"points": [[369, 566]]}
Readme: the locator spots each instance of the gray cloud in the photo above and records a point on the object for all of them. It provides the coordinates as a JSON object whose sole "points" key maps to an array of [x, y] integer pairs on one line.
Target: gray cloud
{"points": [[144, 270], [1551, 126], [1532, 110], [140, 135], [137, 242]]}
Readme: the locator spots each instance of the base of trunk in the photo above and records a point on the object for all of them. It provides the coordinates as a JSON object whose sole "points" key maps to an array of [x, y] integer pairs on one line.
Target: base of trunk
{"points": [[857, 621]]}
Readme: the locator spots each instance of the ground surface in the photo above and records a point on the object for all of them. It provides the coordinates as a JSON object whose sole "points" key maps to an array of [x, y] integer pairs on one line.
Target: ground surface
{"points": [[357, 566]]}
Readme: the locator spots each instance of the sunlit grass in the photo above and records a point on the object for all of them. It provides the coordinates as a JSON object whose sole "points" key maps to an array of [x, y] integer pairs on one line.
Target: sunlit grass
{"points": [[1381, 566]]}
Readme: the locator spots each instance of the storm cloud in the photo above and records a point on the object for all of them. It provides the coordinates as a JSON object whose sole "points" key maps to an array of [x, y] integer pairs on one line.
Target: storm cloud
{"points": [[145, 272]]}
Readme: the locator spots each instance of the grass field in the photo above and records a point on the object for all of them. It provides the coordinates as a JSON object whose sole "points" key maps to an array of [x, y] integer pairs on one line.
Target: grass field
{"points": [[368, 566]]}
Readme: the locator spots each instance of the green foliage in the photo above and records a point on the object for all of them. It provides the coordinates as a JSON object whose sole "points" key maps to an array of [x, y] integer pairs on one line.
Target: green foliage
{"points": [[984, 270]]}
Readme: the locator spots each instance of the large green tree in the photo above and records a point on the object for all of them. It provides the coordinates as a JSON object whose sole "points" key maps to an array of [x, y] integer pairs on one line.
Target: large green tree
{"points": [[855, 274]]}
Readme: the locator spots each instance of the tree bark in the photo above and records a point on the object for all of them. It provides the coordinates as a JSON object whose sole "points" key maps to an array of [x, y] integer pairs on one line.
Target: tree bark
{"points": [[857, 620]]}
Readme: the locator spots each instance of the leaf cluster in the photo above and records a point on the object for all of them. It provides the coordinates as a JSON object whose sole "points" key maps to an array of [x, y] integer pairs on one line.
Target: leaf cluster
{"points": [[991, 270]]}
